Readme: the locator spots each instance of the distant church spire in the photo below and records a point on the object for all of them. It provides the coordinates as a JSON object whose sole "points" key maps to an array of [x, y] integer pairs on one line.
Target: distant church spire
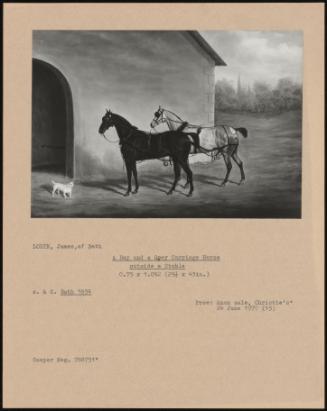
{"points": [[239, 86]]}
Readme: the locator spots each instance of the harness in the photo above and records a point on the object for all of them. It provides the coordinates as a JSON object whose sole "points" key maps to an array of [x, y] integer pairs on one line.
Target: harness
{"points": [[127, 141], [213, 153], [113, 142], [180, 121]]}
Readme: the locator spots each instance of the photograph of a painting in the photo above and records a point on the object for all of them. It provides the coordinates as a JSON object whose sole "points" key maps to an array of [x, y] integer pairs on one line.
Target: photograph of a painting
{"points": [[166, 124]]}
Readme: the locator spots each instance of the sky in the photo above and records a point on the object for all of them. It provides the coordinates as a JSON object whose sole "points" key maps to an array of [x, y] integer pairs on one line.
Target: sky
{"points": [[257, 55]]}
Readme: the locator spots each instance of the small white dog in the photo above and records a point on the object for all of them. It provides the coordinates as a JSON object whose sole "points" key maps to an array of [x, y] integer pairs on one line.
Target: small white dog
{"points": [[65, 189]]}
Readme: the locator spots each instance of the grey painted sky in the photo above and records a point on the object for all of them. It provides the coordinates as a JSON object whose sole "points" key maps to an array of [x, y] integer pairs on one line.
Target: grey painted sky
{"points": [[258, 55]]}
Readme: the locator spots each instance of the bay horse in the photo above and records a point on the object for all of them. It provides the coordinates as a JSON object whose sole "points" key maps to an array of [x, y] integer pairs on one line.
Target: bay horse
{"points": [[136, 145], [220, 139]]}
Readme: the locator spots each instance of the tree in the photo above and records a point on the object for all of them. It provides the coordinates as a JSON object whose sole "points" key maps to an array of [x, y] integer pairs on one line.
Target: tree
{"points": [[262, 93], [261, 98], [225, 95]]}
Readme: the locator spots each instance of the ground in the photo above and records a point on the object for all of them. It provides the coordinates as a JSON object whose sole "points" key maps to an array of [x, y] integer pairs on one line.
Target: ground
{"points": [[272, 162]]}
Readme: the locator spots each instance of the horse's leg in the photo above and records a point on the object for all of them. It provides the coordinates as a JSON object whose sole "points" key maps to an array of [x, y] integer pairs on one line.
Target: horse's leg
{"points": [[239, 162], [129, 178], [187, 177], [186, 168], [177, 173], [187, 182], [135, 178], [228, 166]]}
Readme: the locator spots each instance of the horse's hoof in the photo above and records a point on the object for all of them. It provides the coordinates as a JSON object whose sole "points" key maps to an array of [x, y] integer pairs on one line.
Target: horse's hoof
{"points": [[169, 193], [242, 182], [126, 194], [189, 195], [134, 192]]}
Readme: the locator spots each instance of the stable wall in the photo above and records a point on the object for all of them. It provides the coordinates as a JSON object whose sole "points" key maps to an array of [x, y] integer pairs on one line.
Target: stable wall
{"points": [[131, 73]]}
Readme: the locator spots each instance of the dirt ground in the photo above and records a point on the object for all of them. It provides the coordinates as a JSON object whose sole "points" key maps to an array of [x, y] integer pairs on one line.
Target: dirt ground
{"points": [[272, 163]]}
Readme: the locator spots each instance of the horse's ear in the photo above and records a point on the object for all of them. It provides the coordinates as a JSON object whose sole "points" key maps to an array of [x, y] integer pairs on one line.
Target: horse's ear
{"points": [[106, 110], [159, 107]]}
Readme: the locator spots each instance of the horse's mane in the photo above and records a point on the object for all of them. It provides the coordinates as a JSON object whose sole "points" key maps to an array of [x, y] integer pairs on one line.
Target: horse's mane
{"points": [[124, 121]]}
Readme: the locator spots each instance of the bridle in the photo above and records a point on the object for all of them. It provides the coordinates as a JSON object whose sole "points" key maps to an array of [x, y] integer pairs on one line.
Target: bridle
{"points": [[161, 118], [106, 138]]}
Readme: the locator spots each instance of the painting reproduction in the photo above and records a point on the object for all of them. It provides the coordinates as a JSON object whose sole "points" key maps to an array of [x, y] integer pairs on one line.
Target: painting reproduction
{"points": [[166, 124]]}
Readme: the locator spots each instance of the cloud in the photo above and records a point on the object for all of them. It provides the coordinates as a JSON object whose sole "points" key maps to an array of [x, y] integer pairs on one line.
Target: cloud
{"points": [[258, 55]]}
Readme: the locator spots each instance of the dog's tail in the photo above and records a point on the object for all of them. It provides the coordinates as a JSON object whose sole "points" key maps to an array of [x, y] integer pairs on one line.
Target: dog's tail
{"points": [[243, 131]]}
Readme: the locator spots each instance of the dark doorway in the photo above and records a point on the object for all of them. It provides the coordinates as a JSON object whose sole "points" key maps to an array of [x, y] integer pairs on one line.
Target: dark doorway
{"points": [[52, 120]]}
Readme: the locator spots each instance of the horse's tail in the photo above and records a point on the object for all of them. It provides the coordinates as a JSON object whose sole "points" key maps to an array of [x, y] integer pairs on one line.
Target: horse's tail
{"points": [[196, 140], [243, 131]]}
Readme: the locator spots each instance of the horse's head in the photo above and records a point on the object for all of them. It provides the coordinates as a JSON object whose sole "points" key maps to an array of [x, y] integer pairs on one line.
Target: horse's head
{"points": [[158, 117], [107, 121]]}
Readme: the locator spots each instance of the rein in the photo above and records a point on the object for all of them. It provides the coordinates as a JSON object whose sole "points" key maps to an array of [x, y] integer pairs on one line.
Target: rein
{"points": [[204, 150], [208, 152], [111, 142], [180, 121], [131, 145], [126, 142]]}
